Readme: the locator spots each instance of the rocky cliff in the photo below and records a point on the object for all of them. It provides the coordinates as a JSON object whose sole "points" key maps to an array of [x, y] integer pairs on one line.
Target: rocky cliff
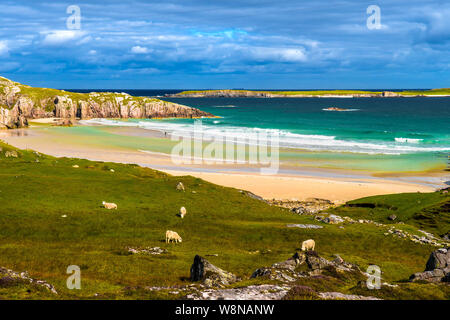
{"points": [[18, 103]]}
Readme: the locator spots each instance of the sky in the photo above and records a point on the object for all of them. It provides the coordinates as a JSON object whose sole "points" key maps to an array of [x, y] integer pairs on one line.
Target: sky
{"points": [[210, 44]]}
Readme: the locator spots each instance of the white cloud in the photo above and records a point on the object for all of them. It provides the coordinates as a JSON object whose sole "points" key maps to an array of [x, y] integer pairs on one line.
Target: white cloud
{"points": [[4, 49], [279, 54], [139, 49], [61, 36], [92, 52]]}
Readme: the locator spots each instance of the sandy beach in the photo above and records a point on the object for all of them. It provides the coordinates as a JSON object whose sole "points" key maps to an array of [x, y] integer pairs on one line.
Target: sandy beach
{"points": [[292, 185]]}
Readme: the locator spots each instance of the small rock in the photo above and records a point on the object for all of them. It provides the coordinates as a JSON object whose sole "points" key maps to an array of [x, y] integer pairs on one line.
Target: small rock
{"points": [[212, 276], [304, 226], [392, 217]]}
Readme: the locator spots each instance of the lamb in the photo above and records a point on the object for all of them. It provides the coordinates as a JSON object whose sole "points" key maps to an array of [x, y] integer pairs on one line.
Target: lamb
{"points": [[109, 206], [182, 212], [308, 245], [172, 236]]}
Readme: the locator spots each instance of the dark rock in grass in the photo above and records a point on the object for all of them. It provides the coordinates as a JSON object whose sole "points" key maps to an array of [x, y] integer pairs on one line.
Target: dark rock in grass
{"points": [[287, 271], [392, 217], [315, 262], [437, 268], [252, 195], [435, 276], [7, 281], [439, 259], [446, 236], [212, 276]]}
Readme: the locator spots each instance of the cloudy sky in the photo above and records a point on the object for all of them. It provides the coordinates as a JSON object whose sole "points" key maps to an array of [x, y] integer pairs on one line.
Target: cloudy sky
{"points": [[226, 44]]}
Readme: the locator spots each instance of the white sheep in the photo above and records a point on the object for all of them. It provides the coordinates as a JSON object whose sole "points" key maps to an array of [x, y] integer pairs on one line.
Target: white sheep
{"points": [[182, 212], [180, 186], [308, 245], [109, 206], [172, 236]]}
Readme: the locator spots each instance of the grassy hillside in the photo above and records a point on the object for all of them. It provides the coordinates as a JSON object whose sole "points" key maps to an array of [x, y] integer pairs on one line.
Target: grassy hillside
{"points": [[287, 93], [443, 91], [36, 191], [427, 211]]}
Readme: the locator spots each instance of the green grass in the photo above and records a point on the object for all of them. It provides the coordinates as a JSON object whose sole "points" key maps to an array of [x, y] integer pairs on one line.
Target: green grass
{"points": [[427, 211], [34, 237], [443, 91]]}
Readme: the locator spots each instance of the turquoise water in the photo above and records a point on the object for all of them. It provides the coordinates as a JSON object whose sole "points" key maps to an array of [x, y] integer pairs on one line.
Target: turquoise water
{"points": [[381, 134]]}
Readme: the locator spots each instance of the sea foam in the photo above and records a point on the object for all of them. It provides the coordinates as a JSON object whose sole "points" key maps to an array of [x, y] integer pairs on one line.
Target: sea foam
{"points": [[287, 139]]}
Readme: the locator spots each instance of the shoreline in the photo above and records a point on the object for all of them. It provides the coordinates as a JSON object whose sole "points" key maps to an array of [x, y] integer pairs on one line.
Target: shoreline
{"points": [[338, 186]]}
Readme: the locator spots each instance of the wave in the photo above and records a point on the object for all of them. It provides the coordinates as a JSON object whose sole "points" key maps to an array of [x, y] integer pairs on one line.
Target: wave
{"points": [[226, 106], [286, 139], [408, 140]]}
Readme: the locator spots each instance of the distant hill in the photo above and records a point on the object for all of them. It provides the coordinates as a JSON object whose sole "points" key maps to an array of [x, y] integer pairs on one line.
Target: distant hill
{"points": [[307, 94]]}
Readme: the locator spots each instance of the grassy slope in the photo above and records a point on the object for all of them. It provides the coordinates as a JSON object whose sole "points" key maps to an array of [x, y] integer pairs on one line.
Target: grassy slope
{"points": [[427, 211], [34, 236]]}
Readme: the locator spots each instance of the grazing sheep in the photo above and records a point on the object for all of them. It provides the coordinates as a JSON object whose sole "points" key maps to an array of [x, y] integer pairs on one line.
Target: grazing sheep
{"points": [[172, 236], [12, 154], [308, 245], [182, 212], [75, 166], [109, 205], [180, 186]]}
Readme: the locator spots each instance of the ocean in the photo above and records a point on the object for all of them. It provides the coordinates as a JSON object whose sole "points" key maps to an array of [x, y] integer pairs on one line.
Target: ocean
{"points": [[374, 134]]}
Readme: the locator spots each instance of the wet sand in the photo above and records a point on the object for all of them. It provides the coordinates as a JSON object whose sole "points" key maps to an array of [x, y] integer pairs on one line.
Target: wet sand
{"points": [[337, 186]]}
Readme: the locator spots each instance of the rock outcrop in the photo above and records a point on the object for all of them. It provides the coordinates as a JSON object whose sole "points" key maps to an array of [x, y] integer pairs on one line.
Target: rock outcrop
{"points": [[258, 292], [287, 271], [309, 206], [9, 277], [209, 274], [19, 103], [437, 267]]}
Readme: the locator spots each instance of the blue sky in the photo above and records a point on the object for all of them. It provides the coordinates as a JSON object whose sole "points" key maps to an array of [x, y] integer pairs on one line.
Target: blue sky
{"points": [[226, 44]]}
